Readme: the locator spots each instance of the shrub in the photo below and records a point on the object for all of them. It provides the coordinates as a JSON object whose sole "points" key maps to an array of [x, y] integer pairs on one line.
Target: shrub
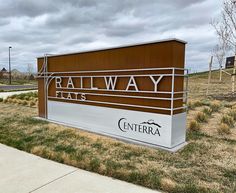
{"points": [[227, 120], [207, 111], [167, 184], [201, 117], [94, 164], [190, 105], [14, 101], [19, 101], [13, 96], [223, 129], [29, 99], [1, 99], [215, 106], [228, 105], [194, 126], [197, 104], [31, 103], [232, 114], [9, 100], [206, 102], [26, 97], [24, 102], [234, 107]]}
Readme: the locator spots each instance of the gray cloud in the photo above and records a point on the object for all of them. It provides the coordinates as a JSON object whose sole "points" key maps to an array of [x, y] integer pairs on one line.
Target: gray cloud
{"points": [[33, 27]]}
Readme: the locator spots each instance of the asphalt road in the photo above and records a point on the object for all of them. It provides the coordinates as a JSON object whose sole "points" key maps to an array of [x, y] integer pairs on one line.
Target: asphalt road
{"points": [[17, 87]]}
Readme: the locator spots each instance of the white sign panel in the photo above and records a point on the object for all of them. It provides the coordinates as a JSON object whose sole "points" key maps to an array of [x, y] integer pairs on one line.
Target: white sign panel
{"points": [[152, 129]]}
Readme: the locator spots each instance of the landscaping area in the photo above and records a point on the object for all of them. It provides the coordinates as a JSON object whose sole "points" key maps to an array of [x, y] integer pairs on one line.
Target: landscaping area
{"points": [[207, 164], [18, 82]]}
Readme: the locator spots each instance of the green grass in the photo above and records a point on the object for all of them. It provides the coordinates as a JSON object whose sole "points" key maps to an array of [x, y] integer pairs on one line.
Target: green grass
{"points": [[25, 96], [18, 82], [94, 164]]}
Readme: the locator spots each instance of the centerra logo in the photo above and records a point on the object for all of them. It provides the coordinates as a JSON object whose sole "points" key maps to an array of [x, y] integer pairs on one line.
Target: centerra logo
{"points": [[147, 127]]}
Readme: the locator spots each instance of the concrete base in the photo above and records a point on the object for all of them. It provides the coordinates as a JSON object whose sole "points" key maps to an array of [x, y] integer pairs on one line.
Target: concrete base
{"points": [[174, 149]]}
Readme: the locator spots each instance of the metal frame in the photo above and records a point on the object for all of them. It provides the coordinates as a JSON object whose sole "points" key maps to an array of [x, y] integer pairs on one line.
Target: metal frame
{"points": [[49, 76]]}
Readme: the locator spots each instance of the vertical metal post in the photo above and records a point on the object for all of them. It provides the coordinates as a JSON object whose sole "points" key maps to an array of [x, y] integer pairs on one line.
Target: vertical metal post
{"points": [[209, 75], [186, 89], [9, 51], [220, 72], [45, 85], [233, 75], [172, 90]]}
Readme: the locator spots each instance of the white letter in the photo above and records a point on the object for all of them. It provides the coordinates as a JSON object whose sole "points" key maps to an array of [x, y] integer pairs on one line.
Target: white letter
{"points": [[81, 82], [83, 97], [70, 83], [58, 94], [62, 96], [69, 96], [110, 83], [132, 83], [155, 82], [92, 84], [76, 96], [58, 82]]}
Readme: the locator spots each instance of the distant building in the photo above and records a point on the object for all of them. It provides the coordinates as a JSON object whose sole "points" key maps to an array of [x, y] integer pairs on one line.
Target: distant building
{"points": [[4, 70], [4, 73], [229, 62]]}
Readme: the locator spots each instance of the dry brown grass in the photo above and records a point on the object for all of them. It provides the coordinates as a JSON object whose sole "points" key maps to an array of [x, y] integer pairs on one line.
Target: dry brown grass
{"points": [[223, 129], [26, 99], [194, 126], [142, 165], [232, 113], [228, 120], [207, 110], [168, 184], [198, 85], [201, 117], [215, 106], [206, 164]]}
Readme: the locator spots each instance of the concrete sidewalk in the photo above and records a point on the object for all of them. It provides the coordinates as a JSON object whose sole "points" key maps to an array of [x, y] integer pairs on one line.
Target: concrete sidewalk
{"points": [[4, 95], [21, 172]]}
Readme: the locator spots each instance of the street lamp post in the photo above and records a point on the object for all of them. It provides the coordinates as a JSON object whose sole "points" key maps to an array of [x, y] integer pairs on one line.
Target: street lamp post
{"points": [[10, 64]]}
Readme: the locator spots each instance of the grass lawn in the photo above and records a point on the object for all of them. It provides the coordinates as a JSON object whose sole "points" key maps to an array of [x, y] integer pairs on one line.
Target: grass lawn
{"points": [[18, 82], [206, 164]]}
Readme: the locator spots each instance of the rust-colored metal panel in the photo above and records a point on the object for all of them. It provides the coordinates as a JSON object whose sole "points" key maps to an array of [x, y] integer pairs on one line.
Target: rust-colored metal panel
{"points": [[166, 54]]}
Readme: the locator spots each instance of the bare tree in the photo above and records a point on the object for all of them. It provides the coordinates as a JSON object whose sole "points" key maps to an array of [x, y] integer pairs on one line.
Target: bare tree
{"points": [[29, 70], [225, 27], [219, 52]]}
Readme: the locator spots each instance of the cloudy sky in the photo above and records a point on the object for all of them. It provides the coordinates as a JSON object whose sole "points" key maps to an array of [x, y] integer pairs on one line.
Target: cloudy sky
{"points": [[35, 27]]}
